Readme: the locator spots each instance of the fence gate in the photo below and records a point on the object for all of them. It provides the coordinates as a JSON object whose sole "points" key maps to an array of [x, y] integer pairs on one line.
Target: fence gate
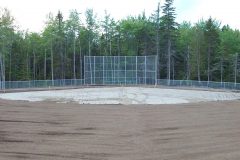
{"points": [[110, 70]]}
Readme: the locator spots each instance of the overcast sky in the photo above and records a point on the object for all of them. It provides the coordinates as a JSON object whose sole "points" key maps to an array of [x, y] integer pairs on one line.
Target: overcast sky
{"points": [[31, 14]]}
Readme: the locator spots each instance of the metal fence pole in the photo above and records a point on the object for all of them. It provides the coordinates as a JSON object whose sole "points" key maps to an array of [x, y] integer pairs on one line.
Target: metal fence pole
{"points": [[114, 78], [84, 81], [94, 80], [156, 70], [111, 58], [145, 73], [136, 70], [125, 70], [103, 69]]}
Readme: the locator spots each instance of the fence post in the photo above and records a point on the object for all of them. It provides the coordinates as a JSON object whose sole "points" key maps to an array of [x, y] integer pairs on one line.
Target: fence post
{"points": [[103, 69], [94, 79], [136, 70], [114, 78], [112, 69], [236, 69], [145, 70], [84, 70], [125, 70], [156, 70]]}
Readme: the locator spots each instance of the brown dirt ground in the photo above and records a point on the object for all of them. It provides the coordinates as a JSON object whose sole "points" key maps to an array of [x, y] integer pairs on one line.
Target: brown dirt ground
{"points": [[50, 131]]}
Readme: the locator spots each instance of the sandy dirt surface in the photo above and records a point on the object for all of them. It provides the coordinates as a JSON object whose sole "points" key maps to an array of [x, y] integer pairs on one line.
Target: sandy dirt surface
{"points": [[123, 95], [50, 131]]}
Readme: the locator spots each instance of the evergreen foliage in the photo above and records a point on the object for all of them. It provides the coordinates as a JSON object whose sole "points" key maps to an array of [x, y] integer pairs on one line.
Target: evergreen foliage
{"points": [[203, 51]]}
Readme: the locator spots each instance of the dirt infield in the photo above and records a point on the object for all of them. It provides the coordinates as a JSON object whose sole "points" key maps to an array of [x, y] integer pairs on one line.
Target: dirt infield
{"points": [[50, 131]]}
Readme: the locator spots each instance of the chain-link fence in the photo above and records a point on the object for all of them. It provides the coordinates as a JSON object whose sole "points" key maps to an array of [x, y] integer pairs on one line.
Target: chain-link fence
{"points": [[118, 70], [80, 82], [110, 70], [199, 84], [41, 83], [2, 85]]}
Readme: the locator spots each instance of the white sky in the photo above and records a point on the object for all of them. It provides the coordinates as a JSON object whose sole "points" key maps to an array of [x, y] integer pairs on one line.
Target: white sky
{"points": [[31, 14]]}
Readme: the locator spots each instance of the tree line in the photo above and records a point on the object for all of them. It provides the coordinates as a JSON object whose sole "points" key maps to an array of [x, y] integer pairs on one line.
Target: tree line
{"points": [[204, 51]]}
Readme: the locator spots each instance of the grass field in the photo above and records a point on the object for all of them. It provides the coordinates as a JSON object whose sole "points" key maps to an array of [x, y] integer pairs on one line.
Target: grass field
{"points": [[51, 131]]}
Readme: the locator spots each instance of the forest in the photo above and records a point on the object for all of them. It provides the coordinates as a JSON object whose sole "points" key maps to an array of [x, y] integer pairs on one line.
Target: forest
{"points": [[203, 51]]}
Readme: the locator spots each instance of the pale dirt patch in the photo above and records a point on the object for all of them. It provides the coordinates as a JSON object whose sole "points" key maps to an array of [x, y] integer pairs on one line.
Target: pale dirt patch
{"points": [[123, 95]]}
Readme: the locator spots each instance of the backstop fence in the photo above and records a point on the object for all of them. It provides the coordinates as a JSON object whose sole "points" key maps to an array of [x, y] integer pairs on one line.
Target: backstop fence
{"points": [[118, 70], [114, 70]]}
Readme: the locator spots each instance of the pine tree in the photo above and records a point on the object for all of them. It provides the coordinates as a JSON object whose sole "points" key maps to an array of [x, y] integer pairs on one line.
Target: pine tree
{"points": [[91, 29], [212, 41], [60, 44], [157, 39], [168, 28]]}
